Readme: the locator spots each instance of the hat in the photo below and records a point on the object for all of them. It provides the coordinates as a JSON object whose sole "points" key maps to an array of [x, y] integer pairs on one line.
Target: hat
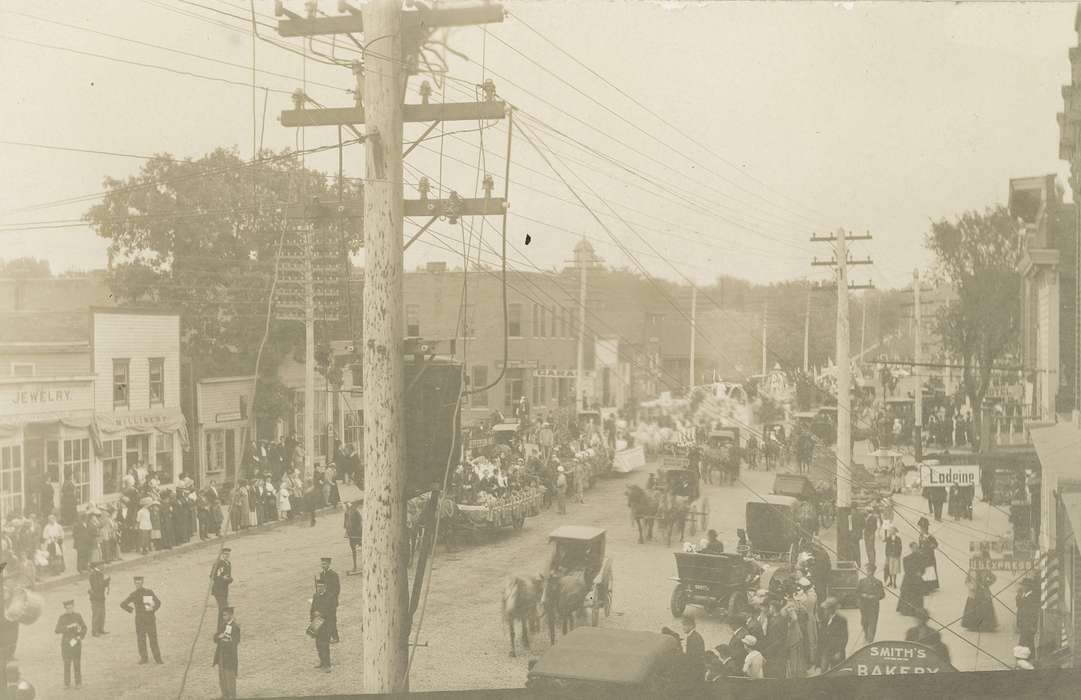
{"points": [[325, 560], [1022, 652], [145, 501], [225, 550], [228, 609], [559, 469], [804, 581], [749, 640], [72, 602], [138, 579]]}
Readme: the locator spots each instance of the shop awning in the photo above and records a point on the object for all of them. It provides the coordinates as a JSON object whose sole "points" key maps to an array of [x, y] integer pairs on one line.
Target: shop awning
{"points": [[10, 425], [1059, 449], [168, 421]]}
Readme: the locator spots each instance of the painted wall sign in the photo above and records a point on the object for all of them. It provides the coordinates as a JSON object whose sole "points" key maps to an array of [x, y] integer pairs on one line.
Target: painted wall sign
{"points": [[949, 475], [892, 659], [1013, 564], [560, 373], [42, 397]]}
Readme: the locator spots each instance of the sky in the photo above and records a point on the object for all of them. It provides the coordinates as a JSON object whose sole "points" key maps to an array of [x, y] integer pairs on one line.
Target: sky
{"points": [[720, 139]]}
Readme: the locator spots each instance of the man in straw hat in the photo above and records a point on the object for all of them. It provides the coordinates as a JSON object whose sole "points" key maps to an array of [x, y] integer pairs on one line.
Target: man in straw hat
{"points": [[221, 575], [145, 605], [99, 588], [227, 654], [72, 629], [561, 489]]}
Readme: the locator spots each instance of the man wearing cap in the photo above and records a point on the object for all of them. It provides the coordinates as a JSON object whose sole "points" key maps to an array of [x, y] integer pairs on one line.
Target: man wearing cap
{"points": [[226, 655], [321, 612], [145, 605], [329, 577], [713, 545], [1028, 614], [221, 575], [754, 663], [870, 592], [694, 648], [99, 588], [833, 638], [561, 490], [72, 630]]}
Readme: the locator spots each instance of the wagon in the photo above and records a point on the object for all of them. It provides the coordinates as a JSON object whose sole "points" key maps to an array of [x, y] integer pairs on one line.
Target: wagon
{"points": [[509, 511], [685, 482], [577, 548], [714, 581]]}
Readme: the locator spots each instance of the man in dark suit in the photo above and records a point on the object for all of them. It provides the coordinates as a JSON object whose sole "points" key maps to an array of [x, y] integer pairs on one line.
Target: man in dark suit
{"points": [[227, 653], [1028, 614], [72, 630], [775, 645], [99, 588], [870, 592], [329, 577], [833, 639], [320, 615], [694, 648], [743, 625], [145, 605], [221, 575]]}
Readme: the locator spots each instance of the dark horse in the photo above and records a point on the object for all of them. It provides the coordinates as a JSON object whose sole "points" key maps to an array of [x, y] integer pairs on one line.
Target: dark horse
{"points": [[564, 597], [672, 512], [521, 601], [644, 506]]}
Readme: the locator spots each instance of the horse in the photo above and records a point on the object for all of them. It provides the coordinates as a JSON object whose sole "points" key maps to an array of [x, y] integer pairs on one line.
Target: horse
{"points": [[673, 512], [521, 601], [644, 506], [564, 596]]}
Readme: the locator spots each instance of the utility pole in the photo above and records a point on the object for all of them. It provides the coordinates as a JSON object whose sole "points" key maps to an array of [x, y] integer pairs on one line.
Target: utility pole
{"points": [[393, 39], [863, 327], [765, 321], [807, 335], [583, 258], [309, 358], [845, 540], [917, 431], [694, 324]]}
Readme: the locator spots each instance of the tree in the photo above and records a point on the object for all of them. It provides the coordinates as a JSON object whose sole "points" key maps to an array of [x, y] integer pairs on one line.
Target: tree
{"points": [[201, 237], [978, 255], [24, 267]]}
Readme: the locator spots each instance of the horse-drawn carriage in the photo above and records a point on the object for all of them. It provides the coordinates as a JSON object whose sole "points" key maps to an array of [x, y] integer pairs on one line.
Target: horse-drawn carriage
{"points": [[511, 510], [578, 577], [724, 581]]}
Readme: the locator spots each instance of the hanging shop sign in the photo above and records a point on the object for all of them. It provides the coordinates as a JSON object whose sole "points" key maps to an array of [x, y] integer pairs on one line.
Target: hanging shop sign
{"points": [[1001, 564], [892, 659], [949, 474]]}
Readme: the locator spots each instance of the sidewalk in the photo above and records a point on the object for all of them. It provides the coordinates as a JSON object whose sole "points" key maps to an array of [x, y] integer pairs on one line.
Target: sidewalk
{"points": [[134, 559]]}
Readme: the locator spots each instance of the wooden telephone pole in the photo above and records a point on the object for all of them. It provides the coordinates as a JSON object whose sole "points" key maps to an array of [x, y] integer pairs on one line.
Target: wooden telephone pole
{"points": [[694, 328], [392, 40], [845, 541]]}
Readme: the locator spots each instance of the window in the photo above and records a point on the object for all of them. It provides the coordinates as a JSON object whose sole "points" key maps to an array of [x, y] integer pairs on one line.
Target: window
{"points": [[563, 323], [112, 465], [23, 369], [138, 450], [77, 465], [573, 322], [52, 460], [536, 321], [543, 313], [412, 320], [354, 429], [320, 423], [480, 379], [220, 452], [514, 326], [357, 371], [513, 388], [655, 319], [163, 457], [157, 380], [540, 390], [121, 389], [11, 479], [298, 414]]}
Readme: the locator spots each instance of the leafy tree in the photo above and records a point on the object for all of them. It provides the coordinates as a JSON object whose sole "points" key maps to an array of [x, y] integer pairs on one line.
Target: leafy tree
{"points": [[978, 254], [201, 237], [24, 267]]}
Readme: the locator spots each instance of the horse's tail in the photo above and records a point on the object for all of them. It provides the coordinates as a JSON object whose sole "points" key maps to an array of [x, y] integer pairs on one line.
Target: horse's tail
{"points": [[511, 591]]}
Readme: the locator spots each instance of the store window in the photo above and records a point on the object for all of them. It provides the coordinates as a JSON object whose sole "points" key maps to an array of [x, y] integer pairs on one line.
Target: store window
{"points": [[354, 429], [121, 388], [220, 452], [157, 380], [479, 380], [514, 325], [513, 393], [137, 450], [298, 414], [77, 465], [412, 320], [52, 460], [563, 323], [112, 466], [163, 457], [11, 479]]}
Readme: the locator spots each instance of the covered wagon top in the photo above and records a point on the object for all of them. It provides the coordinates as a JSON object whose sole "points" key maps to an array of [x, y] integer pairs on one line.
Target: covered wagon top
{"points": [[506, 427], [623, 657], [576, 532]]}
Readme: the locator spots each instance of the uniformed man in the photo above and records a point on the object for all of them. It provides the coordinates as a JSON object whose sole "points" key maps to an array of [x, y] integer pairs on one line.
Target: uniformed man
{"points": [[227, 653], [145, 605], [71, 629], [221, 575], [99, 588], [329, 577], [320, 615]]}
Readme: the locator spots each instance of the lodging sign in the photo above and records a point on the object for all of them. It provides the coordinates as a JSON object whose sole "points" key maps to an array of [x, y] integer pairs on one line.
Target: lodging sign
{"points": [[892, 659], [949, 474]]}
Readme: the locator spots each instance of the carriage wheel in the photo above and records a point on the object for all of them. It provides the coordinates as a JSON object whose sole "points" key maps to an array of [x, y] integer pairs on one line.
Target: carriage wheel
{"points": [[704, 514], [608, 598], [679, 601]]}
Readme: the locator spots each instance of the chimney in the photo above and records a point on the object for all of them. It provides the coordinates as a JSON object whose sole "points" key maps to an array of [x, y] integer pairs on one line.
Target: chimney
{"points": [[437, 267]]}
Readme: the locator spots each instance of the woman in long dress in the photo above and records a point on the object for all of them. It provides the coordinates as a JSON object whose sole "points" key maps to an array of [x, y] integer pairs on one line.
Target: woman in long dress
{"points": [[796, 650], [910, 602], [808, 602], [979, 614], [893, 556], [928, 544]]}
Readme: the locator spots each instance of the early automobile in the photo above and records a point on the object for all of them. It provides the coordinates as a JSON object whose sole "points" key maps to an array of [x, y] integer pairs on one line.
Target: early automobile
{"points": [[714, 581], [773, 527], [596, 662]]}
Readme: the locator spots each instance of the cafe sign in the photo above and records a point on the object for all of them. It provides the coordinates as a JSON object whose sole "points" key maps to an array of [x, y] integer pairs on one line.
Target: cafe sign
{"points": [[949, 474], [892, 659]]}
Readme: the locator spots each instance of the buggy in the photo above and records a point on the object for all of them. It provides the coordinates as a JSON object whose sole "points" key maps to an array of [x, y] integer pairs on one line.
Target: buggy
{"points": [[713, 581], [773, 527], [685, 483], [580, 549]]}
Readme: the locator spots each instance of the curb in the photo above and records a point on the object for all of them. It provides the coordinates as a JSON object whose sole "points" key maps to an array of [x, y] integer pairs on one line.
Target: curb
{"points": [[132, 562]]}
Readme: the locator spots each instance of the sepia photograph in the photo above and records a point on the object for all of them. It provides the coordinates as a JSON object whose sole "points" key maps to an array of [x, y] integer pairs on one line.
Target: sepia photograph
{"points": [[540, 349]]}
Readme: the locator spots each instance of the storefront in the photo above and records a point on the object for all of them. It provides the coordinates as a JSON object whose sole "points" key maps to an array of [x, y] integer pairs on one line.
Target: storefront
{"points": [[45, 433], [221, 425], [154, 439]]}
